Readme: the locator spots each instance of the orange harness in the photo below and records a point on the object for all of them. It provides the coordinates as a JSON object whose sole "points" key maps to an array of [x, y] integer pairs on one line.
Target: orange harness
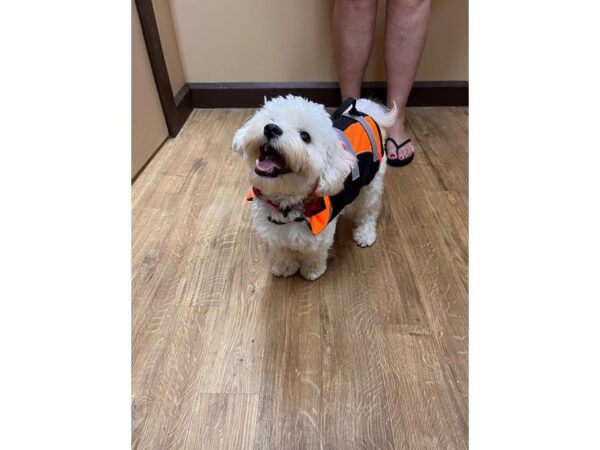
{"points": [[358, 134]]}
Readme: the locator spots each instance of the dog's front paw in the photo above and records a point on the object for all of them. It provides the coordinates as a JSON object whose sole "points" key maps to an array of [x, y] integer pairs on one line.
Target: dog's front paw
{"points": [[312, 272], [285, 268], [365, 235]]}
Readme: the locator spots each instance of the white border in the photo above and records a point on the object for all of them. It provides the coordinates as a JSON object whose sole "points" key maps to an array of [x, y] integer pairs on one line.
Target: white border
{"points": [[534, 225], [65, 250], [64, 185]]}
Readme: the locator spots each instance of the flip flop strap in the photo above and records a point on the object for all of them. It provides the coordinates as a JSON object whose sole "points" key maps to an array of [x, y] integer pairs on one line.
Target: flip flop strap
{"points": [[398, 147]]}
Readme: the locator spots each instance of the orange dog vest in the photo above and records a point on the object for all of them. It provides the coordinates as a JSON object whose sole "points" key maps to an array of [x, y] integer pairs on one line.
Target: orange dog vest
{"points": [[358, 134]]}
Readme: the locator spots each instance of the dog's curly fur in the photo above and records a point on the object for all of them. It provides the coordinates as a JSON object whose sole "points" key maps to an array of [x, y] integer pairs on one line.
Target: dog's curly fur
{"points": [[320, 163]]}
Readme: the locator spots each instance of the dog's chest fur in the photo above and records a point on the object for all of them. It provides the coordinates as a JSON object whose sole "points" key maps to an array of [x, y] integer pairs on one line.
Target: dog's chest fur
{"points": [[293, 235]]}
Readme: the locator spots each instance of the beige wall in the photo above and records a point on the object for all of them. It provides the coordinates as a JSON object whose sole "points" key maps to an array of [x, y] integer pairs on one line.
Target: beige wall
{"points": [[229, 41], [148, 127]]}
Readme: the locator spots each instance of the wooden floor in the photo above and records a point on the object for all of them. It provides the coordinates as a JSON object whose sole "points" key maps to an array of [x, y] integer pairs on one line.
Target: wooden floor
{"points": [[372, 355]]}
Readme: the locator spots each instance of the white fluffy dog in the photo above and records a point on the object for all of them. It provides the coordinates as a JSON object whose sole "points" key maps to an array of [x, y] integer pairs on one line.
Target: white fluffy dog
{"points": [[298, 157]]}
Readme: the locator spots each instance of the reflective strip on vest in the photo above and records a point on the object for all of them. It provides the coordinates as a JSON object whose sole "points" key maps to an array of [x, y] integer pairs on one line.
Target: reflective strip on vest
{"points": [[377, 134], [369, 131], [348, 147]]}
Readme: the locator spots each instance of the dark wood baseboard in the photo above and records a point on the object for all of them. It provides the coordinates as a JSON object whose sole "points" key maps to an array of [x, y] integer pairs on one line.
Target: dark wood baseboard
{"points": [[176, 109], [251, 95], [183, 108]]}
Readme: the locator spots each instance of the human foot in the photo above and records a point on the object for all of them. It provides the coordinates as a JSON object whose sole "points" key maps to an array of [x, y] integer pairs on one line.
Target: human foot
{"points": [[399, 148], [399, 161]]}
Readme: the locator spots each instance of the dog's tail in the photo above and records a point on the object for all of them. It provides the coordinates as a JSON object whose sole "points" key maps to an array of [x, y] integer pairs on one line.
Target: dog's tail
{"points": [[383, 116]]}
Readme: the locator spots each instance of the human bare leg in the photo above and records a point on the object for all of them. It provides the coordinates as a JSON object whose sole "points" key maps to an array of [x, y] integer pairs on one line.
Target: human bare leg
{"points": [[405, 33], [353, 30]]}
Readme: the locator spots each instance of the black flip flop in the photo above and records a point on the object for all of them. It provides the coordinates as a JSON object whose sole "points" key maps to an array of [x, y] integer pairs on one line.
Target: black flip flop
{"points": [[399, 162]]}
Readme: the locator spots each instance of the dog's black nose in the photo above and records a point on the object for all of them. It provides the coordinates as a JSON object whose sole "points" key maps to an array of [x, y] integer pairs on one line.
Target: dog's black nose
{"points": [[272, 130]]}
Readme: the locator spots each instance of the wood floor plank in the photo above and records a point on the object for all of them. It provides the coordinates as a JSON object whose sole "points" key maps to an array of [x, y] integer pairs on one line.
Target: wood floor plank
{"points": [[223, 422], [168, 238], [355, 413], [390, 279], [452, 217], [211, 254], [421, 409], [153, 288], [289, 413], [164, 398], [441, 286], [151, 220], [234, 361], [442, 139]]}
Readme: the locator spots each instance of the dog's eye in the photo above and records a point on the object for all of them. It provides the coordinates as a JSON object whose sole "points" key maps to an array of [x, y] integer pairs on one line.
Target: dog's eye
{"points": [[305, 136]]}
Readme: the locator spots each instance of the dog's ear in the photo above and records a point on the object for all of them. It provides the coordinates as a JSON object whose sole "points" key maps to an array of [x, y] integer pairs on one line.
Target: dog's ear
{"points": [[239, 139], [339, 166]]}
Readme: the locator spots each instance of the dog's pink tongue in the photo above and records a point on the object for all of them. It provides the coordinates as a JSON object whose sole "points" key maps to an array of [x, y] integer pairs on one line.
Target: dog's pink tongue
{"points": [[266, 165]]}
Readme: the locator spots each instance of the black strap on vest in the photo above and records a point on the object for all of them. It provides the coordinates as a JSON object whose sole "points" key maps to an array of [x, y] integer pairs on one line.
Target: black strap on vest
{"points": [[344, 106], [279, 222]]}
